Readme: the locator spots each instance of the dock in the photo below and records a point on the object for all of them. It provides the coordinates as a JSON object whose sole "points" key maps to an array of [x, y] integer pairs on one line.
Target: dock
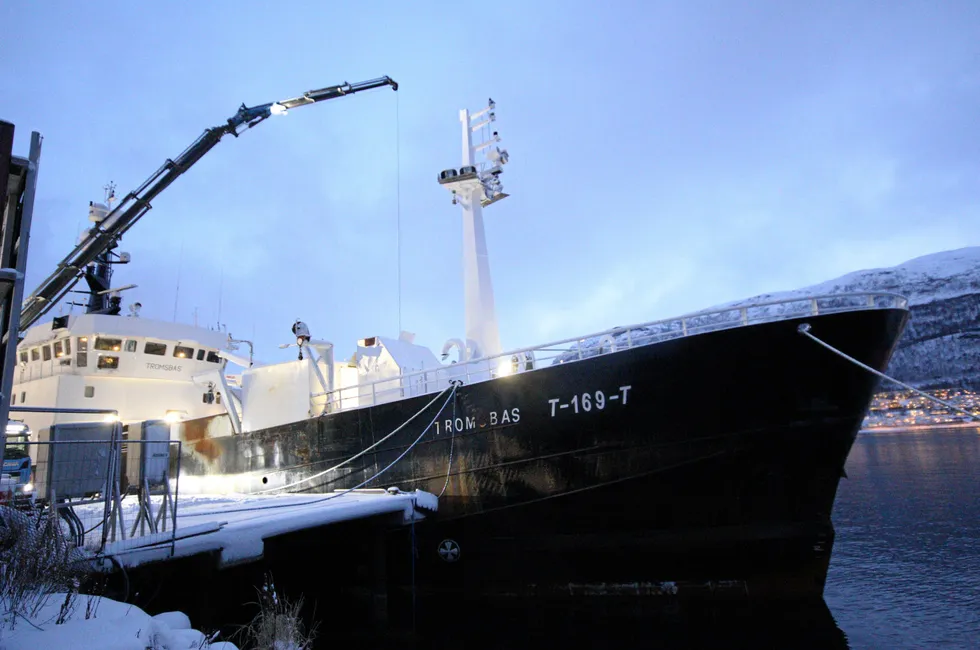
{"points": [[234, 528], [334, 549]]}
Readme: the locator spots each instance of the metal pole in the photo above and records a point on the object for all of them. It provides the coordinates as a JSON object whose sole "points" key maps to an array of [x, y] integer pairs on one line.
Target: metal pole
{"points": [[173, 506], [108, 511], [53, 409], [17, 212], [7, 381]]}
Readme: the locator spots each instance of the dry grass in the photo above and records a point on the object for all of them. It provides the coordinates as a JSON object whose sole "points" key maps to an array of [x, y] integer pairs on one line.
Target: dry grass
{"points": [[37, 559], [278, 625]]}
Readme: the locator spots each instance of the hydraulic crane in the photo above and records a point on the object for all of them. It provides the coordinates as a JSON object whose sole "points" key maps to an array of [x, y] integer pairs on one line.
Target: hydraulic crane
{"points": [[104, 235]]}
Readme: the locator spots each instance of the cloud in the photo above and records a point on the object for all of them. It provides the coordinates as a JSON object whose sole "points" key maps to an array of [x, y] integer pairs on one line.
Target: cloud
{"points": [[622, 295]]}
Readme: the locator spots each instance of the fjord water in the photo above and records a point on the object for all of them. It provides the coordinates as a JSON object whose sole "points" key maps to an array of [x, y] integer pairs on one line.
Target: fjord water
{"points": [[905, 572]]}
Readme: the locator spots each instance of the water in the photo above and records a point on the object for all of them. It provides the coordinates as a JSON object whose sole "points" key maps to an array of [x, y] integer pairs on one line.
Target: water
{"points": [[906, 566], [905, 571]]}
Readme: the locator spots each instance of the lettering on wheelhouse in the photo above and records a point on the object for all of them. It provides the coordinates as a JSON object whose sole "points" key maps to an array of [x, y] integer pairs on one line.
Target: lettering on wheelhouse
{"points": [[588, 401], [469, 422], [169, 367]]}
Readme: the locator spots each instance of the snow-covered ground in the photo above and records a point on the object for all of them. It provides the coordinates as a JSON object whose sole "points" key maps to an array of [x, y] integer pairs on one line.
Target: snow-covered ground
{"points": [[104, 624], [235, 525]]}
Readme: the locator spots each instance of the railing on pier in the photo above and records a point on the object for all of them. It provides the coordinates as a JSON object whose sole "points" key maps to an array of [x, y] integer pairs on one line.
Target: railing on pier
{"points": [[609, 341]]}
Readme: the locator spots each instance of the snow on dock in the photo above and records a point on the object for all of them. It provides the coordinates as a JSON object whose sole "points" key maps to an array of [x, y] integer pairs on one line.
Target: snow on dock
{"points": [[237, 525]]}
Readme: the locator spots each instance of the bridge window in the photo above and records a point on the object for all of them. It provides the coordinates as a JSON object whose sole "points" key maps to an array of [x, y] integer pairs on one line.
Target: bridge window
{"points": [[35, 354], [59, 349], [131, 345], [183, 352], [13, 399], [81, 357], [200, 354], [23, 356], [23, 396], [213, 357], [46, 352], [108, 362], [112, 345], [158, 349]]}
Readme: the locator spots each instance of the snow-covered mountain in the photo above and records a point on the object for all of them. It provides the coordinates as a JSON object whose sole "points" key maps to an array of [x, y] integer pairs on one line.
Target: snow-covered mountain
{"points": [[941, 344], [940, 347]]}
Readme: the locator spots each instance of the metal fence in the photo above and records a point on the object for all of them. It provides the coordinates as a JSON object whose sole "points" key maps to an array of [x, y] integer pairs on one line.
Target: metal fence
{"points": [[110, 487]]}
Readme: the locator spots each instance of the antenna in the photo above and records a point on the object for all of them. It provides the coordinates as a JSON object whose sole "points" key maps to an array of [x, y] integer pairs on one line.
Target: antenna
{"points": [[180, 261], [221, 286], [115, 290], [110, 193]]}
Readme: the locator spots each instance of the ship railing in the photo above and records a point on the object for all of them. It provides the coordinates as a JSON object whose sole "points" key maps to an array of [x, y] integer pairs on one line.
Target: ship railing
{"points": [[610, 341]]}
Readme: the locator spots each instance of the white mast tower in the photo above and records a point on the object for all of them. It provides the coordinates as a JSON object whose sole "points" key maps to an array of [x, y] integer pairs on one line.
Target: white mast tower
{"points": [[475, 186]]}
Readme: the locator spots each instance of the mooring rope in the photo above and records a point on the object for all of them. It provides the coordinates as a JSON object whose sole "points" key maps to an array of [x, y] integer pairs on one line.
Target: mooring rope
{"points": [[452, 442], [360, 453], [338, 494], [804, 329]]}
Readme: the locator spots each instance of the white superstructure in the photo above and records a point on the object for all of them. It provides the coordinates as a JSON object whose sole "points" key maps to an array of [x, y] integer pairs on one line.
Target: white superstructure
{"points": [[145, 369]]}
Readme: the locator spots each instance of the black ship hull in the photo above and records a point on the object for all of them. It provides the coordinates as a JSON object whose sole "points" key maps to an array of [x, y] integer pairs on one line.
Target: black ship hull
{"points": [[706, 463]]}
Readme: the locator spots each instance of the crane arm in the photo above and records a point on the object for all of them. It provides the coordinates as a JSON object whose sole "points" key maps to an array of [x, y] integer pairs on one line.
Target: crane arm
{"points": [[134, 205]]}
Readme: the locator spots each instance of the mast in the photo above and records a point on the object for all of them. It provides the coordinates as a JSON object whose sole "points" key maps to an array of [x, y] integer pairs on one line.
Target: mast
{"points": [[98, 274], [475, 186]]}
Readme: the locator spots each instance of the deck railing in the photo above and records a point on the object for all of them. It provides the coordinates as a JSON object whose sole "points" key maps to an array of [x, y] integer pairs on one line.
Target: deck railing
{"points": [[609, 341]]}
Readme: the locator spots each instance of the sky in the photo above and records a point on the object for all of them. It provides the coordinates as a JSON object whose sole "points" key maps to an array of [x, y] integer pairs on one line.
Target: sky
{"points": [[664, 156]]}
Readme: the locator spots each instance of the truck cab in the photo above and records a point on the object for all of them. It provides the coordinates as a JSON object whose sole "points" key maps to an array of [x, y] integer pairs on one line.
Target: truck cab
{"points": [[16, 480]]}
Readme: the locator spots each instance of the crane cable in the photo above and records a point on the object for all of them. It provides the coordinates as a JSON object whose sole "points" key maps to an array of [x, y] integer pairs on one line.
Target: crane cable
{"points": [[398, 200], [452, 442]]}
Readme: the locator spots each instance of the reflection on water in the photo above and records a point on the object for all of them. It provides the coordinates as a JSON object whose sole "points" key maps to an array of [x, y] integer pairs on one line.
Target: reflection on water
{"points": [[905, 574], [616, 627], [906, 566]]}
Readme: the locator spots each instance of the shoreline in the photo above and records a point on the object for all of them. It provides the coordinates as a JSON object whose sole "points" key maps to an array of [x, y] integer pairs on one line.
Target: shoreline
{"points": [[921, 427]]}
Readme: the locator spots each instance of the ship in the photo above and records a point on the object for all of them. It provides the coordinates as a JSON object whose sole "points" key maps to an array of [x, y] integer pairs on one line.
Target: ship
{"points": [[692, 455]]}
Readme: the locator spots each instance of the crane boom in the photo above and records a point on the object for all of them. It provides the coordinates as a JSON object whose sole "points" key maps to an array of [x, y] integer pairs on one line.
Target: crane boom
{"points": [[103, 236]]}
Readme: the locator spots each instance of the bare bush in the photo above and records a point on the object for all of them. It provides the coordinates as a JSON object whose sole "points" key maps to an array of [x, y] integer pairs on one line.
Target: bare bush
{"points": [[37, 559], [278, 624]]}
